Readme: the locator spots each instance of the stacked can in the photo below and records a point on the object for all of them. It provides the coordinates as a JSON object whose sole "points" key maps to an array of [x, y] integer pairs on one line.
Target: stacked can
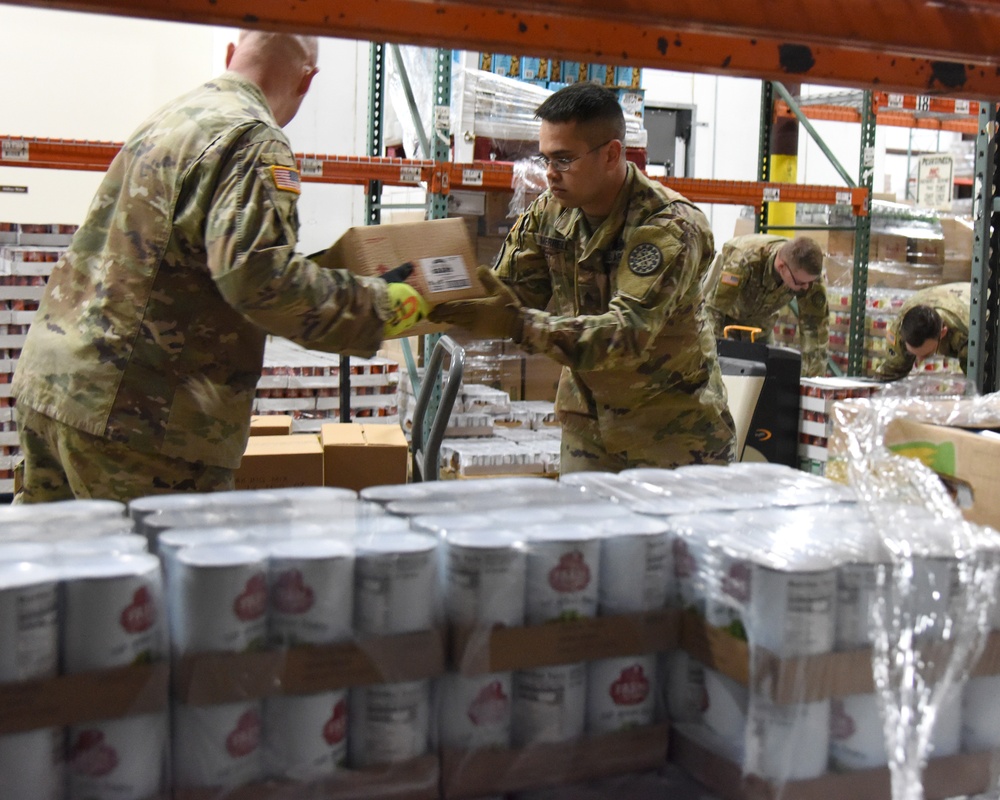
{"points": [[218, 600], [563, 576], [311, 584], [395, 587], [635, 576], [31, 762], [857, 731], [113, 616], [484, 585]]}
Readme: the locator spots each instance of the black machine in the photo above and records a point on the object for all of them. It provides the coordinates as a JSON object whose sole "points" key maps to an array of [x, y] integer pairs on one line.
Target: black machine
{"points": [[763, 386]]}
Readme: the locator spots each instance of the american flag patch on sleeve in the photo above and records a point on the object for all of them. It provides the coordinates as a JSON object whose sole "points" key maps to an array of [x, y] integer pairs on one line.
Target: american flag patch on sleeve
{"points": [[730, 279], [286, 178]]}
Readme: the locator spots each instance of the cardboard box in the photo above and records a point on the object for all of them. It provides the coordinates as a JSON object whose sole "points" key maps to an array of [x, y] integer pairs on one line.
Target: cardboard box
{"points": [[496, 220], [270, 425], [476, 650], [84, 696], [478, 773], [356, 456], [440, 249], [270, 462], [967, 460], [541, 377], [965, 774]]}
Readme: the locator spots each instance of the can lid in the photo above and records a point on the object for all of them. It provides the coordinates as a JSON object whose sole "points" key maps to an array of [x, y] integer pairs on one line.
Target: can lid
{"points": [[115, 565], [485, 539], [102, 545], [626, 524], [394, 543], [24, 551], [310, 549], [221, 555], [176, 538], [560, 532], [17, 574]]}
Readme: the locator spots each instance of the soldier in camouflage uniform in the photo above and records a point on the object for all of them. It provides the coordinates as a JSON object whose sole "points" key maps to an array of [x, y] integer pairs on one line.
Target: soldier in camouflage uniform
{"points": [[933, 320], [138, 374], [603, 273], [759, 276]]}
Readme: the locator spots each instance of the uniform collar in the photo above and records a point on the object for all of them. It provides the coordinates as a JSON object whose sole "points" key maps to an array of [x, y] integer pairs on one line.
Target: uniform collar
{"points": [[248, 86]]}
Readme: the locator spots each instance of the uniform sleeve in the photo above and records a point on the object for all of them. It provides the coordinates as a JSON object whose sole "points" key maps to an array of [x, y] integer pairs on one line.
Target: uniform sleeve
{"points": [[661, 270], [898, 362], [724, 296], [251, 238], [814, 330]]}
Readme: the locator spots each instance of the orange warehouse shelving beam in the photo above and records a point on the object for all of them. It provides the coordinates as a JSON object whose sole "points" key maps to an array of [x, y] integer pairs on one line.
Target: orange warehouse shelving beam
{"points": [[896, 45]]}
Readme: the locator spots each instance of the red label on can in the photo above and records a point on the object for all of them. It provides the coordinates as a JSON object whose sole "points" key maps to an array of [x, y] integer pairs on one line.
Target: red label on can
{"points": [[490, 707], [571, 574], [335, 728], [251, 603], [245, 737], [631, 688], [140, 614], [90, 756], [290, 594], [841, 724]]}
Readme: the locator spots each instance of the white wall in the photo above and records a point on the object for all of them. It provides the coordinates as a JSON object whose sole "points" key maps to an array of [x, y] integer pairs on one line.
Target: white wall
{"points": [[726, 118], [94, 77]]}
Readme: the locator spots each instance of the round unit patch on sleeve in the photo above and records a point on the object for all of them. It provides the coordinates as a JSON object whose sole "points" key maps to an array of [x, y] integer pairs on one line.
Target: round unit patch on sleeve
{"points": [[645, 259]]}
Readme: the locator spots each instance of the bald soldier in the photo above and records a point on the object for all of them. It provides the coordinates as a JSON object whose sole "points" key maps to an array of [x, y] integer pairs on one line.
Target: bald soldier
{"points": [[933, 320], [139, 371], [603, 274], [762, 274]]}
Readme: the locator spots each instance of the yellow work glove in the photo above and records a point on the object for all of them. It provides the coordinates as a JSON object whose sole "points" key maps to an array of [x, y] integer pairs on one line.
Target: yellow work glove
{"points": [[408, 308], [496, 316]]}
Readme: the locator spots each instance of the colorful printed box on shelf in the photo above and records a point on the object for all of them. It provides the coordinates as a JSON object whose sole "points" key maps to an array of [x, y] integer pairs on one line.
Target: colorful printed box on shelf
{"points": [[627, 77], [572, 71]]}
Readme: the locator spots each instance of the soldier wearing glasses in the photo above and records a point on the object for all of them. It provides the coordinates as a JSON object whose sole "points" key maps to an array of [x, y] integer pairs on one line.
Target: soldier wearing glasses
{"points": [[604, 273], [762, 274]]}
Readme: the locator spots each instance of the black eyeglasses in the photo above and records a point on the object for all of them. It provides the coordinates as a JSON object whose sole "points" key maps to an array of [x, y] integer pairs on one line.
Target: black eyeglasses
{"points": [[563, 164]]}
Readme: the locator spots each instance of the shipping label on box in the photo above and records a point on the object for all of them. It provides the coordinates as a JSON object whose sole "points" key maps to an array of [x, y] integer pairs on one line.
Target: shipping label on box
{"points": [[440, 250]]}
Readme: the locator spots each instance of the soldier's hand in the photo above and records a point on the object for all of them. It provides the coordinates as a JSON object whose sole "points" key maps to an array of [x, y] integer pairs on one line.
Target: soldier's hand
{"points": [[408, 308], [399, 274], [496, 316]]}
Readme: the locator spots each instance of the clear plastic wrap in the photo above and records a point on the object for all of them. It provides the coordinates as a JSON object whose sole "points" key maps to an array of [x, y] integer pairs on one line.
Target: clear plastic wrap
{"points": [[933, 607]]}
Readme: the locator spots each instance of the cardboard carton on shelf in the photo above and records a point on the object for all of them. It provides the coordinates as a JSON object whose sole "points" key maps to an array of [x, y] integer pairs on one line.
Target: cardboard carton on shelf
{"points": [[440, 250], [270, 425], [271, 462], [356, 456]]}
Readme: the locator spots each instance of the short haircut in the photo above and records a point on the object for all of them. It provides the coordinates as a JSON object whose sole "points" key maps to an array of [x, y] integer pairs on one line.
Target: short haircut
{"points": [[919, 324], [802, 253], [308, 45], [589, 104]]}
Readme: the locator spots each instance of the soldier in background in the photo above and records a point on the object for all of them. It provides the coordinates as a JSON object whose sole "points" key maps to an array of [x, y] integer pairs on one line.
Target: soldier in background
{"points": [[603, 273], [762, 274], [933, 320], [138, 374]]}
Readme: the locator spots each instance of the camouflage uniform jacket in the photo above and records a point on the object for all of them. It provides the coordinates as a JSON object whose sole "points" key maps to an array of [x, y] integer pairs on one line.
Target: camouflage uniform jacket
{"points": [[750, 292], [151, 330], [623, 308], [952, 302]]}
